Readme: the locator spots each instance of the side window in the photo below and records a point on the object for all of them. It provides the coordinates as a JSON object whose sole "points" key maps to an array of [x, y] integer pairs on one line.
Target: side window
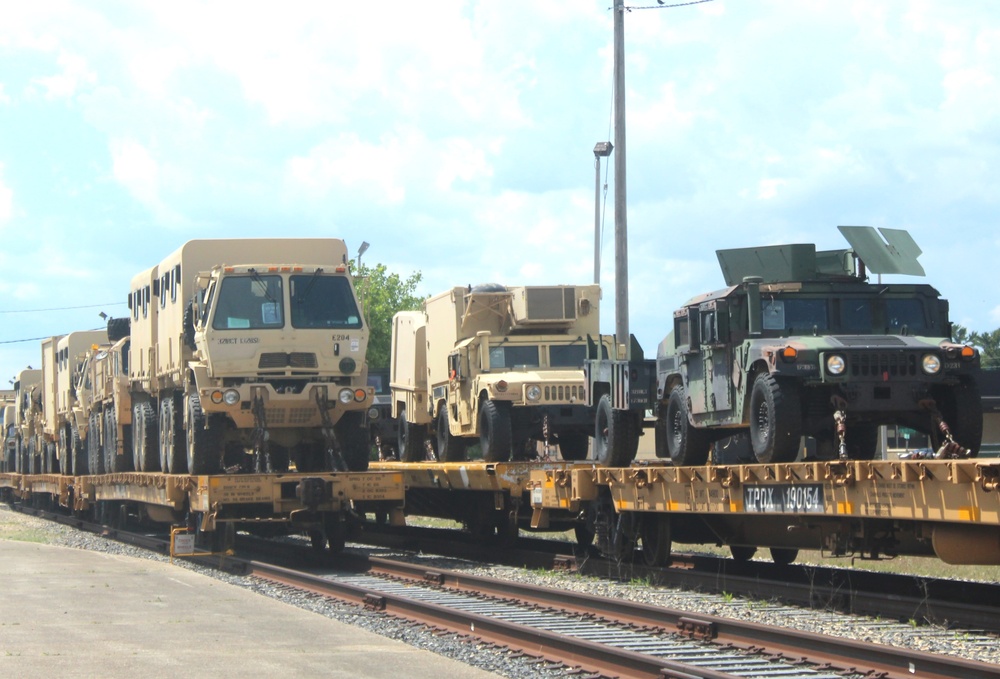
{"points": [[682, 331], [135, 304], [708, 327], [145, 294], [164, 284], [176, 281]]}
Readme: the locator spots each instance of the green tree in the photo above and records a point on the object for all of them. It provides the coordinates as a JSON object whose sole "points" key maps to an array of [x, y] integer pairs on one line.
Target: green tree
{"points": [[988, 344], [382, 295]]}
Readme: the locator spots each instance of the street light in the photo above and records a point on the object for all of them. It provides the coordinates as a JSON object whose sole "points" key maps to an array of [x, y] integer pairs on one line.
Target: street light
{"points": [[361, 251], [601, 150]]}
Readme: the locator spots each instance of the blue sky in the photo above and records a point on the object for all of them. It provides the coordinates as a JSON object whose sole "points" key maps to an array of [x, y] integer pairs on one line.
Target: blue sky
{"points": [[456, 138]]}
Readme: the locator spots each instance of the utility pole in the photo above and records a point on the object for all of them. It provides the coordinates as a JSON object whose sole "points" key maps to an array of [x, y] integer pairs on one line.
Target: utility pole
{"points": [[621, 225], [601, 150]]}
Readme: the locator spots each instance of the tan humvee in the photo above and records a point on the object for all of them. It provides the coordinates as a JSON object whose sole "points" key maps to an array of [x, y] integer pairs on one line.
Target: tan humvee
{"points": [[495, 365], [248, 344]]}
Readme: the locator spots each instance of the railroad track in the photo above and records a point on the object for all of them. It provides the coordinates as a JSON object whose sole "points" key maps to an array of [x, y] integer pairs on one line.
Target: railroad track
{"points": [[606, 636]]}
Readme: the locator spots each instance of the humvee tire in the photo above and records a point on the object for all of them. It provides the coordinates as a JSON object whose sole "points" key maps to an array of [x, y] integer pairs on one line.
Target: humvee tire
{"points": [[775, 426], [616, 435], [686, 445], [409, 439], [494, 431], [449, 448]]}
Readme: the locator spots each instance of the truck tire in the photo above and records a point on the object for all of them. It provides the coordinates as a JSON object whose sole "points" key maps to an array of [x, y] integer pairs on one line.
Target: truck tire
{"points": [[77, 453], [145, 443], [204, 439], [95, 444], [118, 328], [616, 435], [962, 409], [113, 462], [449, 448], [355, 444], [775, 419], [494, 431], [573, 445], [409, 439], [173, 453], [686, 444]]}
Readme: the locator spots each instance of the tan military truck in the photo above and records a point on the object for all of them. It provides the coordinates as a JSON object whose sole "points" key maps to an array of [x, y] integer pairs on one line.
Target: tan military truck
{"points": [[27, 419], [246, 353], [495, 365], [7, 427], [61, 427], [104, 404]]}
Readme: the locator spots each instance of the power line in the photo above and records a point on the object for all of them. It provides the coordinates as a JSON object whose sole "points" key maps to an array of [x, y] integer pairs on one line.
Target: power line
{"points": [[61, 308], [662, 5], [34, 339]]}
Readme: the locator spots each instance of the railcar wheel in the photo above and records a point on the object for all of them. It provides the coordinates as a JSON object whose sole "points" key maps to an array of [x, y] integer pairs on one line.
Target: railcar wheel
{"points": [[494, 431], [775, 419], [449, 448], [686, 444], [742, 553], [145, 446], [654, 535], [354, 441], [784, 556], [204, 439], [573, 445], [616, 435], [409, 439], [173, 456]]}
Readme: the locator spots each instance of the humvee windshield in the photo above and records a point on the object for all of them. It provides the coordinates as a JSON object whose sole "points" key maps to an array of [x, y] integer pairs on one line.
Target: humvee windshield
{"points": [[858, 315], [514, 357]]}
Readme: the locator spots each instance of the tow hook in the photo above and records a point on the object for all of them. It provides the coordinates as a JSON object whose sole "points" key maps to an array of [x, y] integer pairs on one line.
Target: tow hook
{"points": [[840, 418], [950, 449]]}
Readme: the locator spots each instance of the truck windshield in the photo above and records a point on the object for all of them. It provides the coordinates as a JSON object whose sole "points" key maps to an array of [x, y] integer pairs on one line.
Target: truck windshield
{"points": [[247, 302], [509, 356], [320, 301]]}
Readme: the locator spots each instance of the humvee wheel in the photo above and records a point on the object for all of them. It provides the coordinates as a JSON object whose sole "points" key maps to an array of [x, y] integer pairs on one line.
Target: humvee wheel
{"points": [[573, 446], [204, 453], [783, 556], [654, 534], [616, 436], [409, 439], [742, 553], [775, 419], [494, 431], [355, 446], [962, 408], [686, 444], [449, 448]]}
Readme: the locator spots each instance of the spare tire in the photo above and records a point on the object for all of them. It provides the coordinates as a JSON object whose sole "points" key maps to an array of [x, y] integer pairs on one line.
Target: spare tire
{"points": [[488, 287], [118, 328]]}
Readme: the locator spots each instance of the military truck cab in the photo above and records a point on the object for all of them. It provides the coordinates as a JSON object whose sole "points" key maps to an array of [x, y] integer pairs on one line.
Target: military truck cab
{"points": [[801, 343]]}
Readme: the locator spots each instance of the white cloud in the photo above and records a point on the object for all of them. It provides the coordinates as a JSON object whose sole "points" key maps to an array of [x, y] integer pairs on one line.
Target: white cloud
{"points": [[768, 188], [136, 170], [75, 74], [6, 200]]}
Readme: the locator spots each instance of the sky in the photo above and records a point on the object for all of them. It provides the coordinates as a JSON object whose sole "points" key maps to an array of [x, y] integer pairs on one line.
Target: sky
{"points": [[456, 137]]}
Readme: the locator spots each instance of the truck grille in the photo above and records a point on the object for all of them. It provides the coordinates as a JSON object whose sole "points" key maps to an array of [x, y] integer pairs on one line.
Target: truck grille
{"points": [[875, 364], [272, 361], [563, 393], [290, 416]]}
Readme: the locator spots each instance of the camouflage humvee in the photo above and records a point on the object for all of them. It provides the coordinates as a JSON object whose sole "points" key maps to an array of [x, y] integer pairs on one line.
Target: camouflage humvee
{"points": [[801, 343]]}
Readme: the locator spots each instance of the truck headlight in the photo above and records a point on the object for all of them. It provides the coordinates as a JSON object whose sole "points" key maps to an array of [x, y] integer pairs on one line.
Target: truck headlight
{"points": [[231, 397], [345, 396], [932, 364], [835, 364], [533, 392]]}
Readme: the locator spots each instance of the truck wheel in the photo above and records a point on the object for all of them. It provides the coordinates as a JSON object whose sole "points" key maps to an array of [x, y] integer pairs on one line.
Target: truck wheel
{"points": [[449, 448], [355, 445], [173, 456], [494, 431], [113, 462], [775, 419], [204, 440], [573, 445], [95, 463], [145, 446], [616, 435], [77, 454], [962, 408], [686, 445], [409, 439]]}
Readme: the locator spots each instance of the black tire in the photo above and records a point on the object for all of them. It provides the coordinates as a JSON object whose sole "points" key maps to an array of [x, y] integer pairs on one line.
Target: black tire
{"points": [[742, 553], [616, 435], [65, 449], [962, 409], [573, 445], [145, 442], [95, 444], [775, 419], [113, 462], [204, 439], [449, 448], [687, 445], [77, 453], [172, 446], [494, 431], [51, 461], [354, 440], [654, 535], [861, 441], [118, 328], [409, 439], [783, 556]]}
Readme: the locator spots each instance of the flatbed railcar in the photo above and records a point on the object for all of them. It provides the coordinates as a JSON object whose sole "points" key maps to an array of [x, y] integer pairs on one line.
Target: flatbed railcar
{"points": [[318, 504], [948, 509]]}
